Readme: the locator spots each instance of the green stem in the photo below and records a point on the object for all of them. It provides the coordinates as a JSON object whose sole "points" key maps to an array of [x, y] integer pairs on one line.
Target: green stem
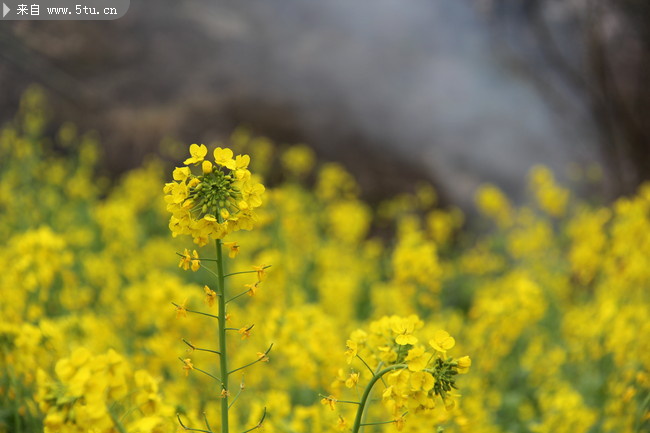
{"points": [[223, 359], [366, 393], [195, 312], [238, 296], [254, 362]]}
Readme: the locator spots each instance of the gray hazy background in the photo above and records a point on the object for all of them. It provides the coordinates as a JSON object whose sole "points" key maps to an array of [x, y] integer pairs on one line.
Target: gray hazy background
{"points": [[458, 92]]}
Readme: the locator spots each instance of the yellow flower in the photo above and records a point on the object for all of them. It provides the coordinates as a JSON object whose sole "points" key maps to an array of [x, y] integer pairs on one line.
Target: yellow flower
{"points": [[240, 163], [245, 332], [442, 341], [233, 249], [224, 393], [197, 154], [261, 272], [351, 352], [181, 173], [404, 327], [210, 296], [206, 167], [404, 339], [399, 423], [187, 366], [195, 201], [463, 364], [180, 310], [417, 359], [329, 401], [351, 381], [342, 424], [421, 380], [252, 288], [188, 261], [222, 156]]}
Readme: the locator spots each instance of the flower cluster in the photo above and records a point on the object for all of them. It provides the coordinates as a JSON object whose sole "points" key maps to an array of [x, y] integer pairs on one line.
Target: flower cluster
{"points": [[88, 390], [220, 200], [552, 300], [414, 377]]}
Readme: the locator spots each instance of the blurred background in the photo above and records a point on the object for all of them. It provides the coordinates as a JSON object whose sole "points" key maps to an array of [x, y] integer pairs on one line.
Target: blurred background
{"points": [[456, 92]]}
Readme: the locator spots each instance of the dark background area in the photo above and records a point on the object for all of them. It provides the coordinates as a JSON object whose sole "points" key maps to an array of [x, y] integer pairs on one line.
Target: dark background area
{"points": [[455, 92]]}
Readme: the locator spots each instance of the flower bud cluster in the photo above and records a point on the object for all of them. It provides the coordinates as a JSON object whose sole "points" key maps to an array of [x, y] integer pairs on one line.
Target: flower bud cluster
{"points": [[220, 200]]}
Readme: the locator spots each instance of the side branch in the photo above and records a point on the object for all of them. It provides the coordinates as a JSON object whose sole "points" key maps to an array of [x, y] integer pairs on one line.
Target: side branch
{"points": [[261, 358], [194, 311], [245, 272], [203, 371], [184, 427], [193, 347], [259, 424]]}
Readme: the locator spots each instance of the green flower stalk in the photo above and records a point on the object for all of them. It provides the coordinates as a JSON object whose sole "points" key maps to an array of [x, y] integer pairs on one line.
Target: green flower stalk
{"points": [[209, 206]]}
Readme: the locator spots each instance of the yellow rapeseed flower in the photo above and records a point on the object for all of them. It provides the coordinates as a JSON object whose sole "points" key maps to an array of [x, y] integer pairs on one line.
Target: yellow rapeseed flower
{"points": [[210, 296], [261, 272], [187, 366], [252, 288], [342, 424], [245, 332], [463, 364], [206, 167], [220, 200], [197, 154], [233, 249], [417, 359], [222, 156], [442, 341], [351, 350], [329, 401], [352, 380], [180, 310]]}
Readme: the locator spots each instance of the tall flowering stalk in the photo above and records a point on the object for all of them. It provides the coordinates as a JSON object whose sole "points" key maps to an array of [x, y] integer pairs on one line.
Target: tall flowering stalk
{"points": [[209, 206]]}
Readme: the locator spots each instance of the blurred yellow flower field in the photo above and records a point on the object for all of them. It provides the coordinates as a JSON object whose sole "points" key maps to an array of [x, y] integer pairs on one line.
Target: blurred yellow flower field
{"points": [[113, 323]]}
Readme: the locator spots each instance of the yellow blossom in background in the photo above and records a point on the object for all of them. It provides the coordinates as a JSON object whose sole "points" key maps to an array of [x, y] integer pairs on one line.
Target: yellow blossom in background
{"points": [[442, 341], [547, 304], [351, 350], [298, 160], [494, 204]]}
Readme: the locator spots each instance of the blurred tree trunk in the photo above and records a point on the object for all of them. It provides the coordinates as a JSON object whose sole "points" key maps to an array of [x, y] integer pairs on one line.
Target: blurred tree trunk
{"points": [[600, 50]]}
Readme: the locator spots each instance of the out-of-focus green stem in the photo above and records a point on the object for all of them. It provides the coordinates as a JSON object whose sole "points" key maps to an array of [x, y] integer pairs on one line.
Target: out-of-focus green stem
{"points": [[366, 393]]}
